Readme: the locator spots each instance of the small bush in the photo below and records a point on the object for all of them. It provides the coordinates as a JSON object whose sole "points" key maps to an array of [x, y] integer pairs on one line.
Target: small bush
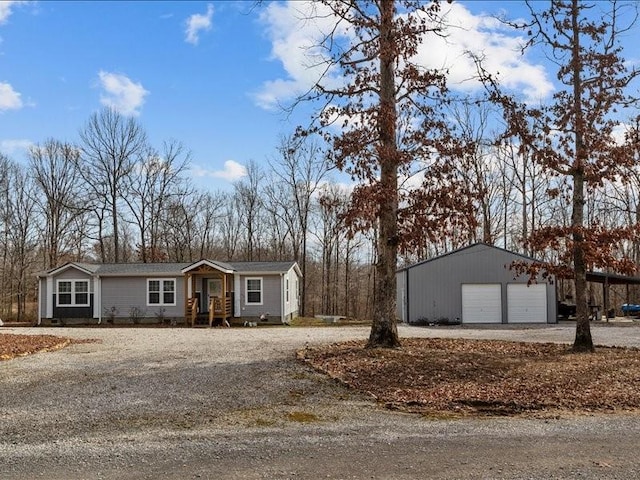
{"points": [[136, 314]]}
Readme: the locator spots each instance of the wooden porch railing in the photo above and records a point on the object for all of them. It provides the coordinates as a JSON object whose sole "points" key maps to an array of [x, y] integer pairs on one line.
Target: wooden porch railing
{"points": [[192, 309], [219, 308]]}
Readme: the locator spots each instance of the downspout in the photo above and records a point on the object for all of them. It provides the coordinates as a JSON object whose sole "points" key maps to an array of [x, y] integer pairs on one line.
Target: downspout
{"points": [[98, 293], [282, 303], [39, 301]]}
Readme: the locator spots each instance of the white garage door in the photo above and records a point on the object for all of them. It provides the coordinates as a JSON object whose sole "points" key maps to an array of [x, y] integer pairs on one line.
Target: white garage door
{"points": [[527, 303], [481, 303]]}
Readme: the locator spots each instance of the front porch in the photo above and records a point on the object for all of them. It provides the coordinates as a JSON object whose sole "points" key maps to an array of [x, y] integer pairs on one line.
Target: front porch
{"points": [[209, 293]]}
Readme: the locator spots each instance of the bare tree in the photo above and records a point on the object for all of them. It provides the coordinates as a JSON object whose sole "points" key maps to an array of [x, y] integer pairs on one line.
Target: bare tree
{"points": [[480, 169], [299, 169], [18, 242], [151, 187], [230, 227], [209, 216], [249, 200], [53, 166], [111, 146]]}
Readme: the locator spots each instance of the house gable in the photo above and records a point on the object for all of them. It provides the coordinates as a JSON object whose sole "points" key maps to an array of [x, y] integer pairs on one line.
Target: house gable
{"points": [[205, 265]]}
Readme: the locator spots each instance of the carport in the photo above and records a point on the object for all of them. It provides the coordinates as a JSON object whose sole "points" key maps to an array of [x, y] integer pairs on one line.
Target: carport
{"points": [[607, 279]]}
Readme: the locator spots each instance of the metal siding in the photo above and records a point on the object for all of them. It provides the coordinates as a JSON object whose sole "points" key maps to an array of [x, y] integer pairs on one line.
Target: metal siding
{"points": [[434, 287], [433, 292], [401, 295], [271, 296], [125, 293], [526, 303], [481, 303]]}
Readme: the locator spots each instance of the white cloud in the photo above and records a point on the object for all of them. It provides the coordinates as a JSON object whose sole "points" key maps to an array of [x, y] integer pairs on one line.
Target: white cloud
{"points": [[10, 147], [6, 7], [294, 39], [293, 35], [9, 98], [197, 23], [619, 133], [121, 93], [499, 45], [231, 172]]}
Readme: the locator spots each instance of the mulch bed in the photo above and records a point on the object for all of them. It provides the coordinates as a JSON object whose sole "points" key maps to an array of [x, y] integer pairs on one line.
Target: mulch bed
{"points": [[12, 346], [452, 377]]}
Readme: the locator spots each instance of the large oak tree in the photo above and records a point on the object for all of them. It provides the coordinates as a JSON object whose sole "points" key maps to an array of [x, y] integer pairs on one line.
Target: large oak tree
{"points": [[380, 111]]}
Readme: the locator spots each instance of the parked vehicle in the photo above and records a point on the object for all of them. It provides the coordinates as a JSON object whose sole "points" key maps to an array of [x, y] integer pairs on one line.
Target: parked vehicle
{"points": [[629, 309]]}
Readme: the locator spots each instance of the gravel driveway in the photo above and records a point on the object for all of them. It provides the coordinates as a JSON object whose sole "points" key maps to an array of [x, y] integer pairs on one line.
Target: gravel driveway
{"points": [[233, 403]]}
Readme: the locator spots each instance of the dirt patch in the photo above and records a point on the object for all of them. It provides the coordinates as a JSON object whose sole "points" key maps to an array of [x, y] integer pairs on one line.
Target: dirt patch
{"points": [[12, 346], [480, 377]]}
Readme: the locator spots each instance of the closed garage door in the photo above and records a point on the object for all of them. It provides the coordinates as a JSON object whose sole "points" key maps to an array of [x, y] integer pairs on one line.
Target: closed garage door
{"points": [[527, 303], [481, 303]]}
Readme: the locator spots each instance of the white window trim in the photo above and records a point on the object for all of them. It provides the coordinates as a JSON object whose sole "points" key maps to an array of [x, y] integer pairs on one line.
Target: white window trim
{"points": [[161, 292], [73, 292], [246, 291]]}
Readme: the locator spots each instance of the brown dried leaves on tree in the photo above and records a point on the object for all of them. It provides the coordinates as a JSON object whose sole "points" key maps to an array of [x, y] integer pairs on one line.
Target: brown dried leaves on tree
{"points": [[572, 137], [387, 129]]}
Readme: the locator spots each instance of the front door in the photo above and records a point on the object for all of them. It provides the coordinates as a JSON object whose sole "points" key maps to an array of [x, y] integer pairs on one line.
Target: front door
{"points": [[214, 289]]}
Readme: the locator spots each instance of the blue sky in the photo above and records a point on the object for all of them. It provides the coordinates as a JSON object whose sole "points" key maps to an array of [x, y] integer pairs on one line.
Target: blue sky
{"points": [[209, 74]]}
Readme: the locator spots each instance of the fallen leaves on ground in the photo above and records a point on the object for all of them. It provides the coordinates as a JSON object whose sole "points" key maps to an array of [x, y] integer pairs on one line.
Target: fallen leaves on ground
{"points": [[485, 377], [12, 346]]}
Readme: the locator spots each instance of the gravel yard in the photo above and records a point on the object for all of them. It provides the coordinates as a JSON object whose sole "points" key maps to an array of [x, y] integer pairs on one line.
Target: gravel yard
{"points": [[146, 403]]}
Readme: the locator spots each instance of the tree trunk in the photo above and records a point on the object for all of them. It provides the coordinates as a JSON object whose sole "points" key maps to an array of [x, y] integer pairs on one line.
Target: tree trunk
{"points": [[583, 341], [384, 331]]}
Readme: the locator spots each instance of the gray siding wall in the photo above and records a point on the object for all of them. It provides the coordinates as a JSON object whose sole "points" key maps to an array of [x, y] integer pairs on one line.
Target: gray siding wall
{"points": [[271, 297], [42, 292], [125, 293], [73, 274], [291, 307], [434, 288]]}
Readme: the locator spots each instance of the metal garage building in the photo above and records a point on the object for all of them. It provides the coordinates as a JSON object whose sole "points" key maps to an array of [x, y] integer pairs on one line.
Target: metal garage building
{"points": [[474, 285]]}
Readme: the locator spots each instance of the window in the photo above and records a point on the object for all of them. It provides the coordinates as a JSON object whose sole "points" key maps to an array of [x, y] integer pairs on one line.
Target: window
{"points": [[253, 291], [73, 293], [161, 291], [287, 291]]}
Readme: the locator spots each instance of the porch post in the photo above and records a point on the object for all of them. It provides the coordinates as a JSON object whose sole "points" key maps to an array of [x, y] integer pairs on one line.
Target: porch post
{"points": [[236, 295], [224, 297], [187, 296]]}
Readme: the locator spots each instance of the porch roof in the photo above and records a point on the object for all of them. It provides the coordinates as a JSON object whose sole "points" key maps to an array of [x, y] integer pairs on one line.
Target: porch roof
{"points": [[220, 266]]}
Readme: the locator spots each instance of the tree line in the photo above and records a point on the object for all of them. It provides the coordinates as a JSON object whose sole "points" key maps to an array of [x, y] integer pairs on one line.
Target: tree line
{"points": [[112, 197]]}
